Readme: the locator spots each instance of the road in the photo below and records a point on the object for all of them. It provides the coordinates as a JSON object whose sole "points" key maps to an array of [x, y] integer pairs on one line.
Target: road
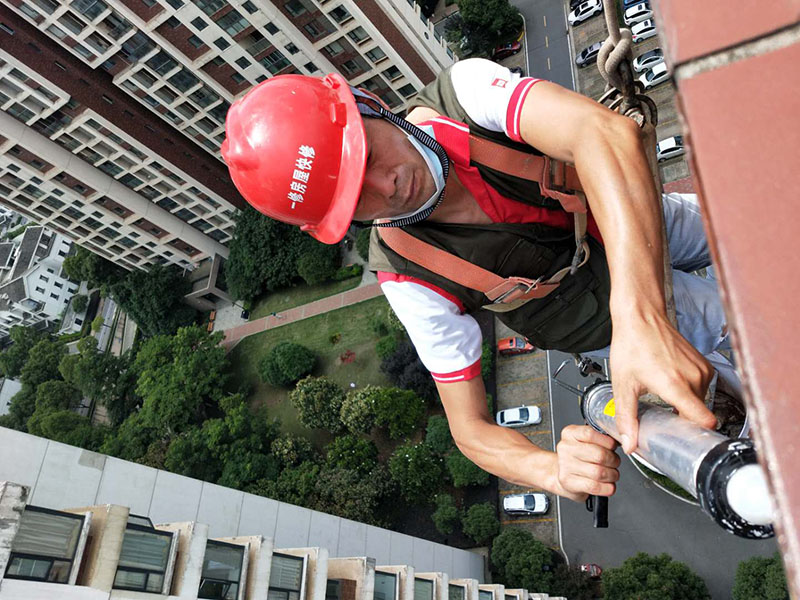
{"points": [[549, 54], [109, 309], [642, 518]]}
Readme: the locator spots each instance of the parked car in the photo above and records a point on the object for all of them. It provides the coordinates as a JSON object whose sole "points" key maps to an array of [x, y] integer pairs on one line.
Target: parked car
{"points": [[637, 13], [514, 345], [648, 59], [526, 504], [654, 76], [627, 3], [520, 416], [670, 148], [592, 570], [585, 11], [573, 4], [588, 55], [506, 50], [643, 31]]}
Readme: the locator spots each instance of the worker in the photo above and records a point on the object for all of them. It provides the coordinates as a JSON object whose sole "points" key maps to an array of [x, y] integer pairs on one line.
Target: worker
{"points": [[320, 154]]}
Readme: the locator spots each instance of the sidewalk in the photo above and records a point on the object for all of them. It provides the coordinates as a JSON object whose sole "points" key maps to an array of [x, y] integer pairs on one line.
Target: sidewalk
{"points": [[354, 296]]}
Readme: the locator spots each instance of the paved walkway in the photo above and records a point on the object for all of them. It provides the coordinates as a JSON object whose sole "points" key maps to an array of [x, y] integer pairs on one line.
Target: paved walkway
{"points": [[359, 294]]}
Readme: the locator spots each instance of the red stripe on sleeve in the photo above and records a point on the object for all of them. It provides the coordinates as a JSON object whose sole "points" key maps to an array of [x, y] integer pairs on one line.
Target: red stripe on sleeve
{"points": [[383, 277], [515, 107], [471, 372]]}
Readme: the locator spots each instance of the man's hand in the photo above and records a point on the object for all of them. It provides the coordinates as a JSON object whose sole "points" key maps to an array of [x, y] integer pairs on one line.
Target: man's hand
{"points": [[649, 355], [587, 463]]}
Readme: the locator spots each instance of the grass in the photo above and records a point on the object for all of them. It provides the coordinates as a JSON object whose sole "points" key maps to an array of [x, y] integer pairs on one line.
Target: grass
{"points": [[352, 322], [286, 298]]}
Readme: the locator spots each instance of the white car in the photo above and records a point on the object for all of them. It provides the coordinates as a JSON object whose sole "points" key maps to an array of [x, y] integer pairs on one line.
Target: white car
{"points": [[654, 76], [648, 59], [526, 504], [584, 11], [643, 30], [637, 13], [520, 416], [670, 148]]}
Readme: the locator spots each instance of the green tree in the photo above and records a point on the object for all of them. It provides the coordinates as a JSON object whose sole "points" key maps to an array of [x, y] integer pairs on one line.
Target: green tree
{"points": [[154, 299], [42, 363], [286, 363], [351, 495], [362, 242], [20, 409], [487, 360], [97, 323], [80, 302], [68, 427], [437, 435], [572, 583], [463, 471], [291, 450], [446, 516], [87, 266], [295, 485], [318, 263], [480, 522], [406, 371], [760, 577], [353, 453], [358, 409], [400, 411], [318, 402], [484, 24], [647, 576], [417, 471], [14, 358], [132, 438], [386, 346], [522, 561]]}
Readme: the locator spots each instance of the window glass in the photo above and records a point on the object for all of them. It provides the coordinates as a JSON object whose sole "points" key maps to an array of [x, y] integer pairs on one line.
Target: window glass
{"points": [[456, 592], [286, 572], [385, 586], [340, 14], [423, 589], [359, 34]]}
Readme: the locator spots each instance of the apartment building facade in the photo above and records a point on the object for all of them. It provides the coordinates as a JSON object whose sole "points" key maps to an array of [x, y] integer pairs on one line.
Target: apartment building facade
{"points": [[113, 111]]}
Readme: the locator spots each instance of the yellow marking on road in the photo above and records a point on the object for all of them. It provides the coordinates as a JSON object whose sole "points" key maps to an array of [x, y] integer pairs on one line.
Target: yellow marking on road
{"points": [[528, 380], [546, 42], [544, 18], [548, 63], [518, 521]]}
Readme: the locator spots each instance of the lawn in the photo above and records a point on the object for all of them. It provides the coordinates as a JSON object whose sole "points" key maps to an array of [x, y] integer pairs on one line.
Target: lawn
{"points": [[289, 297], [351, 322]]}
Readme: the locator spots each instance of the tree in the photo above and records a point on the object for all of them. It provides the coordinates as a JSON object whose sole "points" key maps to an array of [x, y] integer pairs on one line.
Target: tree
{"points": [[463, 471], [572, 583], [14, 358], [318, 402], [42, 363], [386, 346], [437, 435], [400, 411], [522, 561], [295, 485], [362, 242], [68, 427], [417, 471], [291, 450], [286, 364], [353, 453], [646, 576], [760, 577], [318, 263], [483, 24], [20, 408], [358, 409], [154, 299], [406, 371], [351, 495], [480, 522], [97, 323], [487, 360], [80, 302], [87, 266], [446, 516]]}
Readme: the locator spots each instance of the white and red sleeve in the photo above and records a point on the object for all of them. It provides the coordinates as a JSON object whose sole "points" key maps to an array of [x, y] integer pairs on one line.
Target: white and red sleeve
{"points": [[491, 95], [447, 341]]}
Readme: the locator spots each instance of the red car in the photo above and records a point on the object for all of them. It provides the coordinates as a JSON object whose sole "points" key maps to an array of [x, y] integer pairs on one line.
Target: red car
{"points": [[506, 50], [592, 570], [514, 345]]}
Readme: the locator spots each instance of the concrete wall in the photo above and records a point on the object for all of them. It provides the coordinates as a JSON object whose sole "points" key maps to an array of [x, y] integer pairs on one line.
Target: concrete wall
{"points": [[440, 580], [12, 503], [60, 476], [101, 557], [315, 580], [191, 549], [258, 565], [405, 579], [360, 570], [470, 584]]}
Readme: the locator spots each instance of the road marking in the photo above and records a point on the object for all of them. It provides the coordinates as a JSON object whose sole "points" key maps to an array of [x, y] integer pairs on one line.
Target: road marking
{"points": [[519, 521], [548, 63], [546, 42], [519, 381], [544, 17]]}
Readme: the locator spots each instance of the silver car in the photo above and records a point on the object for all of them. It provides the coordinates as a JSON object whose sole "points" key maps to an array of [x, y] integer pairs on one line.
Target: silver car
{"points": [[588, 55], [648, 59], [526, 504], [643, 30], [670, 148], [520, 416]]}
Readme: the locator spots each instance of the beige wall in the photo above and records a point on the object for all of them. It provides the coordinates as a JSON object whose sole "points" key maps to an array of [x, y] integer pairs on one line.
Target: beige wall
{"points": [[106, 530]]}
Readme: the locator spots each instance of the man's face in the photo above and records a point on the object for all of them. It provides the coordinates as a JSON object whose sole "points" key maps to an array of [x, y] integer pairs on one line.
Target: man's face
{"points": [[397, 180]]}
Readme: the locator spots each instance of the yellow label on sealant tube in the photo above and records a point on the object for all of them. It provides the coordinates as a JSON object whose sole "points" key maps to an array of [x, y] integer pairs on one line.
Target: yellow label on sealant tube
{"points": [[610, 408]]}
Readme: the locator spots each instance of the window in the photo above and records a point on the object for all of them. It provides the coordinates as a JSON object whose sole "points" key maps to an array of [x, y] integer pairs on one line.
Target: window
{"points": [[358, 35], [392, 73], [43, 278], [143, 558], [237, 78], [313, 29], [162, 63], [222, 571], [232, 23], [271, 29], [334, 48], [456, 592], [40, 290], [340, 14], [199, 23], [183, 80], [58, 285], [221, 43], [249, 7], [196, 41], [274, 62], [292, 49], [351, 67], [210, 6], [485, 595], [295, 8], [285, 577], [173, 23], [423, 589], [45, 546], [310, 67], [385, 585], [376, 55], [204, 96], [176, 4], [407, 90], [54, 296], [243, 62]]}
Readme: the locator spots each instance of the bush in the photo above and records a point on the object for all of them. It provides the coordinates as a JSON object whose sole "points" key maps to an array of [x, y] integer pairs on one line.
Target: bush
{"points": [[480, 522], [97, 323], [760, 577], [70, 337], [353, 453], [291, 450], [348, 272], [318, 263], [286, 364], [446, 515], [463, 471], [395, 324], [318, 402], [386, 346], [522, 561], [487, 360], [362, 243], [79, 303], [646, 576], [417, 471], [377, 324], [358, 409], [406, 371], [400, 411], [437, 435]]}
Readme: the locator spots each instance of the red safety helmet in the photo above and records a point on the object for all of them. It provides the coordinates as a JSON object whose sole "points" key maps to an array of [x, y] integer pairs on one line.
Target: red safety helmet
{"points": [[296, 151]]}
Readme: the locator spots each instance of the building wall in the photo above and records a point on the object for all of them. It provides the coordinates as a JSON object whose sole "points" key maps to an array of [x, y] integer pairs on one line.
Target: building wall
{"points": [[62, 475]]}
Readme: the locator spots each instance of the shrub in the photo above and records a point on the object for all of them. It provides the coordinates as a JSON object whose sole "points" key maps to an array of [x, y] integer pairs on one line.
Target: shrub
{"points": [[362, 243], [291, 450], [348, 272], [286, 363], [480, 522], [400, 411], [386, 346], [318, 402], [437, 435], [416, 470], [395, 324], [377, 323], [521, 560], [646, 576], [760, 577], [358, 409], [487, 360], [318, 263], [79, 303], [97, 323], [463, 471], [353, 453], [405, 370], [446, 515]]}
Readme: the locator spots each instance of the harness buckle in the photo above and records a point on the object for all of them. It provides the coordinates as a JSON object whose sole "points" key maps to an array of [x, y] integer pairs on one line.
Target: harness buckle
{"points": [[553, 183], [580, 251], [518, 287]]}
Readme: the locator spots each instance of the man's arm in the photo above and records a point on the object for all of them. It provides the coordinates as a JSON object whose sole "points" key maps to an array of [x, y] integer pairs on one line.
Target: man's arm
{"points": [[583, 464], [647, 353]]}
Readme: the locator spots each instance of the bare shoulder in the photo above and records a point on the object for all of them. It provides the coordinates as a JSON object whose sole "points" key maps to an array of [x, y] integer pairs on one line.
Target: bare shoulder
{"points": [[420, 114]]}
